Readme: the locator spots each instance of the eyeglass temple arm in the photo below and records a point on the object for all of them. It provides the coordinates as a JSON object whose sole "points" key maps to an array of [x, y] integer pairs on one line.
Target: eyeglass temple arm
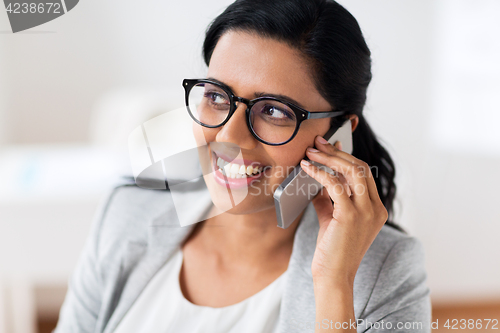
{"points": [[324, 114]]}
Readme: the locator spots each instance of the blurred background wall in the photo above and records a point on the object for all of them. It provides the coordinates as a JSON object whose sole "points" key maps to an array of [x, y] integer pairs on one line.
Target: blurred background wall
{"points": [[72, 89]]}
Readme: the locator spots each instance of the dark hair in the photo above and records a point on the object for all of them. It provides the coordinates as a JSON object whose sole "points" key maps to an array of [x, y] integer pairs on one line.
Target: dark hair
{"points": [[331, 40]]}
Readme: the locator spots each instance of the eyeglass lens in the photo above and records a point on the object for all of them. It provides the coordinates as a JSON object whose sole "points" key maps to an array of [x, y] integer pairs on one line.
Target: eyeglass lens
{"points": [[272, 121]]}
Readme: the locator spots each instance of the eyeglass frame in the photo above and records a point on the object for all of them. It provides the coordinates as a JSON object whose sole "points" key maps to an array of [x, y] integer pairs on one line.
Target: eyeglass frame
{"points": [[300, 113]]}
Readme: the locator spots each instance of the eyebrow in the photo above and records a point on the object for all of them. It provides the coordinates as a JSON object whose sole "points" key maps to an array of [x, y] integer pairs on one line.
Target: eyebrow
{"points": [[262, 94]]}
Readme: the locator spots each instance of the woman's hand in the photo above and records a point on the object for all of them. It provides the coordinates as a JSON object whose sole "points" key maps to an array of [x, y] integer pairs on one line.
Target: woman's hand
{"points": [[347, 228]]}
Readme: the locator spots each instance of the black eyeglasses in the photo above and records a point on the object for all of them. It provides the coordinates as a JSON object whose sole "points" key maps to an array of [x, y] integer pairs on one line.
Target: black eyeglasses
{"points": [[270, 120]]}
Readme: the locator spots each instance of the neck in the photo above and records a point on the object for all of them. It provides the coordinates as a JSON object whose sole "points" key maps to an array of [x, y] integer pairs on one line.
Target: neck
{"points": [[251, 238]]}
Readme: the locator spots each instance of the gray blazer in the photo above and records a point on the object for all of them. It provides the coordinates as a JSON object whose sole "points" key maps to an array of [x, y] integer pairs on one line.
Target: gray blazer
{"points": [[136, 231]]}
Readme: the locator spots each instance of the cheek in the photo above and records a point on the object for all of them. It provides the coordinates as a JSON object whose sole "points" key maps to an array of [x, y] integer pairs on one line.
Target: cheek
{"points": [[198, 134], [296, 149], [290, 157], [287, 158], [201, 134]]}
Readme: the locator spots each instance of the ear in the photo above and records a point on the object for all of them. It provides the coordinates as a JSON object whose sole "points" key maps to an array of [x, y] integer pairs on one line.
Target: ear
{"points": [[354, 121]]}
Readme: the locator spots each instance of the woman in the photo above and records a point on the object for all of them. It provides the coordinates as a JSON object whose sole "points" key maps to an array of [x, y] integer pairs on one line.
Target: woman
{"points": [[341, 267]]}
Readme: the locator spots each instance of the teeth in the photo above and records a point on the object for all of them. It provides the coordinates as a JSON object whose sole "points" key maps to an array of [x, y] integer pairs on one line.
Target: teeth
{"points": [[234, 170], [221, 163]]}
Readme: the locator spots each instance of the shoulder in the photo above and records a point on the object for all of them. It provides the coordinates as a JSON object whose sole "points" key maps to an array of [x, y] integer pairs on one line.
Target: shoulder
{"points": [[392, 274], [129, 205], [389, 237], [393, 252], [394, 249], [125, 216], [118, 240]]}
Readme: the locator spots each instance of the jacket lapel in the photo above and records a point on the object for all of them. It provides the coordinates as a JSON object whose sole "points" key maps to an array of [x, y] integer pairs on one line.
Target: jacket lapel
{"points": [[165, 235], [298, 311]]}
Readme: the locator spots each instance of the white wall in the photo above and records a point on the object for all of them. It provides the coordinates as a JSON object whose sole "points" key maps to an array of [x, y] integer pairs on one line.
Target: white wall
{"points": [[3, 110], [460, 180], [54, 73], [398, 105]]}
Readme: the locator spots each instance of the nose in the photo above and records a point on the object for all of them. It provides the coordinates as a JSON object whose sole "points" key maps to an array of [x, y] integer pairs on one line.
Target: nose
{"points": [[236, 130]]}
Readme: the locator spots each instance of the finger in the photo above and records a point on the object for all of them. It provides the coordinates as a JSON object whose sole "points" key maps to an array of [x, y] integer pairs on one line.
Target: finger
{"points": [[323, 205], [321, 144], [338, 145], [332, 184], [353, 173], [325, 146], [344, 183], [336, 150]]}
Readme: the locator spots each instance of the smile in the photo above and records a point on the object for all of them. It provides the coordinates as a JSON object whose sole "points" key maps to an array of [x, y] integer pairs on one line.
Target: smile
{"points": [[234, 170], [235, 175]]}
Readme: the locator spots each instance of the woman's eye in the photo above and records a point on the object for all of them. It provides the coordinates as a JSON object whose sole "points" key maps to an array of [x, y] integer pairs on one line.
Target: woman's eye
{"points": [[276, 113], [216, 98]]}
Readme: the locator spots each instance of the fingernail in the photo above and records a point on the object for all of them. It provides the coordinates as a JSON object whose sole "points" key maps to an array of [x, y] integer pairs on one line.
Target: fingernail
{"points": [[321, 140], [305, 163], [312, 150], [339, 145]]}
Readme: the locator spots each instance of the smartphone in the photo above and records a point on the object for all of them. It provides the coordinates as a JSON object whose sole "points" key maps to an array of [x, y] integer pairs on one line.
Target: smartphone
{"points": [[298, 189]]}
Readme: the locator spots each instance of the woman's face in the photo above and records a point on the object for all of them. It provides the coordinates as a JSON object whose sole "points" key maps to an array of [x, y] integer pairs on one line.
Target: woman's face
{"points": [[253, 66]]}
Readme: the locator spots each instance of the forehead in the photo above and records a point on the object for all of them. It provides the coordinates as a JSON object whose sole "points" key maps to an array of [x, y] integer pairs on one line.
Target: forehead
{"points": [[249, 63]]}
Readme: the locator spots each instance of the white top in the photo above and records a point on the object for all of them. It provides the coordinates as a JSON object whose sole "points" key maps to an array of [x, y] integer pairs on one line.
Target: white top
{"points": [[161, 307]]}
